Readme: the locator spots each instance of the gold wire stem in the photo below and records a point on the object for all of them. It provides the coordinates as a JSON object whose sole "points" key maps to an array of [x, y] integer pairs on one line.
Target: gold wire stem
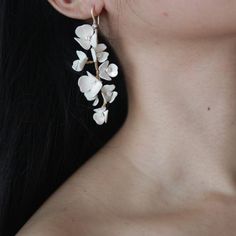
{"points": [[97, 70], [95, 26], [89, 62], [95, 21]]}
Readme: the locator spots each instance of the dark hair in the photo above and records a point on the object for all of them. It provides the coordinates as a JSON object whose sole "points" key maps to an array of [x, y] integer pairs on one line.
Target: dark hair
{"points": [[46, 126]]}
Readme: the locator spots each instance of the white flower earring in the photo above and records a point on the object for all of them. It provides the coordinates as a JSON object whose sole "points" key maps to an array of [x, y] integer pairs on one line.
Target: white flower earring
{"points": [[91, 85]]}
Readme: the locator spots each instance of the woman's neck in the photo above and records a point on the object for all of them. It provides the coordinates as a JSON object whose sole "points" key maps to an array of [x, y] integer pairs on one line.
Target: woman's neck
{"points": [[182, 112]]}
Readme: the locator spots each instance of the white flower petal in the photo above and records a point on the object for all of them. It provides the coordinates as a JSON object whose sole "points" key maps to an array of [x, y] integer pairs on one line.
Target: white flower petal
{"points": [[89, 97], [101, 115], [78, 65], [104, 75], [104, 66], [101, 47], [85, 44], [81, 55], [94, 55], [84, 31], [84, 83], [94, 40], [102, 71], [95, 89], [112, 70], [92, 76], [108, 87], [100, 109], [114, 95], [108, 94], [102, 56], [96, 101], [99, 118]]}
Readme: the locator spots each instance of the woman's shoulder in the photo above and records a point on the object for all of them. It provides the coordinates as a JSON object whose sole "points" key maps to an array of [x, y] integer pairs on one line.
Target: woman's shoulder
{"points": [[215, 217], [86, 204]]}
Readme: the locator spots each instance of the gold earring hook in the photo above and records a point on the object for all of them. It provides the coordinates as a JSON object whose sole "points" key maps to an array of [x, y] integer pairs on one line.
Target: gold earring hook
{"points": [[95, 21]]}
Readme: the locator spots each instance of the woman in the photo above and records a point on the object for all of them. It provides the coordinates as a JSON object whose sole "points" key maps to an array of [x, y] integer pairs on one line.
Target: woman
{"points": [[170, 169], [46, 128]]}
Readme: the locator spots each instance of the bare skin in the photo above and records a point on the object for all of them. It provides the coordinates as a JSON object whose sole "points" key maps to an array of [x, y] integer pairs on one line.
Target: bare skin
{"points": [[171, 168]]}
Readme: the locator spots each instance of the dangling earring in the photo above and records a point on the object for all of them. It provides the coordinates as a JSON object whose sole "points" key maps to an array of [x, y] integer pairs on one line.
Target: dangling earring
{"points": [[91, 85]]}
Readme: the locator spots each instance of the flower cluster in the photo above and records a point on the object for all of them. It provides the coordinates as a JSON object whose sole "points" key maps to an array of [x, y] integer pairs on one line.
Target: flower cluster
{"points": [[91, 85]]}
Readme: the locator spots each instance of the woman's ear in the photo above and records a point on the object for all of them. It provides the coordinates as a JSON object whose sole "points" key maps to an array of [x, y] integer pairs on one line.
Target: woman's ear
{"points": [[78, 9]]}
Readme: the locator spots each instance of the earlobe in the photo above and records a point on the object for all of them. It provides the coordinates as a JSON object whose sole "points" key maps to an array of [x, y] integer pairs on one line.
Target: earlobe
{"points": [[77, 9]]}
